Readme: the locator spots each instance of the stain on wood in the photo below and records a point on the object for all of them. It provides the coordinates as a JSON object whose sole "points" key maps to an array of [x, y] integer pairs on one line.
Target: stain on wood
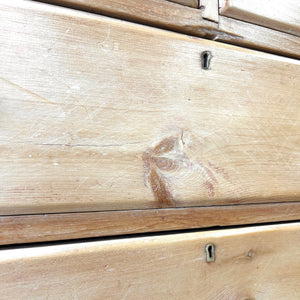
{"points": [[210, 188], [219, 170], [160, 189], [155, 161]]}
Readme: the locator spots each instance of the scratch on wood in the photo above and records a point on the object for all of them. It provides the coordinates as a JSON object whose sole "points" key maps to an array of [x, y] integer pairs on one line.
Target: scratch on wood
{"points": [[106, 37], [20, 88]]}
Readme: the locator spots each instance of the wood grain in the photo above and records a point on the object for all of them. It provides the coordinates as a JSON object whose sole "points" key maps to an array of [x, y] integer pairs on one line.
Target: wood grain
{"points": [[190, 3], [258, 37], [53, 227], [274, 14], [168, 15], [250, 263], [100, 114], [157, 13]]}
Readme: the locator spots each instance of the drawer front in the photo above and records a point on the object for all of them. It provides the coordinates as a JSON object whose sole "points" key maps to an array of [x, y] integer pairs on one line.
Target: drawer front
{"points": [[205, 22], [177, 15], [100, 114], [249, 263], [266, 13], [66, 226]]}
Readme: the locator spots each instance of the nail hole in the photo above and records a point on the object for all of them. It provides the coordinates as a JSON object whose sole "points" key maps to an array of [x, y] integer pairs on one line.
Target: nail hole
{"points": [[210, 252], [205, 60]]}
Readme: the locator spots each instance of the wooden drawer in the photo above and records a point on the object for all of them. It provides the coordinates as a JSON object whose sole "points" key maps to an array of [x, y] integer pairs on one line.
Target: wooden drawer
{"points": [[100, 114], [282, 16], [177, 15], [205, 22], [137, 130], [250, 263]]}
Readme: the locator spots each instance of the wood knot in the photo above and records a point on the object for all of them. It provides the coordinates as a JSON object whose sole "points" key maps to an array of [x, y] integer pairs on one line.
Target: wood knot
{"points": [[156, 160], [167, 158]]}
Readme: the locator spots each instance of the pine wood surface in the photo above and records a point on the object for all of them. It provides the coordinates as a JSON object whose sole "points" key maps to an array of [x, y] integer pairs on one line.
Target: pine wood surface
{"points": [[274, 14], [259, 37], [101, 114], [157, 13], [250, 263], [203, 22], [66, 226], [190, 3]]}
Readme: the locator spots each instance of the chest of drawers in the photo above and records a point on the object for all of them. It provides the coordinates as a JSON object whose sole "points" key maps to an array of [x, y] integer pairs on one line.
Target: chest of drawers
{"points": [[111, 127]]}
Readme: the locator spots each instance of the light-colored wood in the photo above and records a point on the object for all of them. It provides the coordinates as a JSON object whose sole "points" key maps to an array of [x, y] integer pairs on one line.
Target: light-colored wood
{"points": [[51, 227], [210, 9], [258, 37], [251, 263], [275, 14], [190, 3], [168, 15], [100, 114], [157, 13]]}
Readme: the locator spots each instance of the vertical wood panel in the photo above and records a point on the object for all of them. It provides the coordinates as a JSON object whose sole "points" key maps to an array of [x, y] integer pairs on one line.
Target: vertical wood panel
{"points": [[210, 9]]}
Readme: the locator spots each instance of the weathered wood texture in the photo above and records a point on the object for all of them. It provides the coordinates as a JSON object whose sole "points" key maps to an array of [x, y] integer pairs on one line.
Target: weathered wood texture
{"points": [[250, 263], [167, 15], [100, 114], [190, 3], [210, 9], [52, 227], [275, 14], [258, 37], [111, 135], [158, 13]]}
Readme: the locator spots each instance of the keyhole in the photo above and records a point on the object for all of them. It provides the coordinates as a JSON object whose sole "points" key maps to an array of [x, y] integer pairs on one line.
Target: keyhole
{"points": [[205, 60], [210, 252]]}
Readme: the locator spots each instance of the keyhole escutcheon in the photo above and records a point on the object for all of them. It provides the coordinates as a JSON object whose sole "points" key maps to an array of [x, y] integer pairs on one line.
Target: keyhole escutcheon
{"points": [[210, 252], [205, 60]]}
